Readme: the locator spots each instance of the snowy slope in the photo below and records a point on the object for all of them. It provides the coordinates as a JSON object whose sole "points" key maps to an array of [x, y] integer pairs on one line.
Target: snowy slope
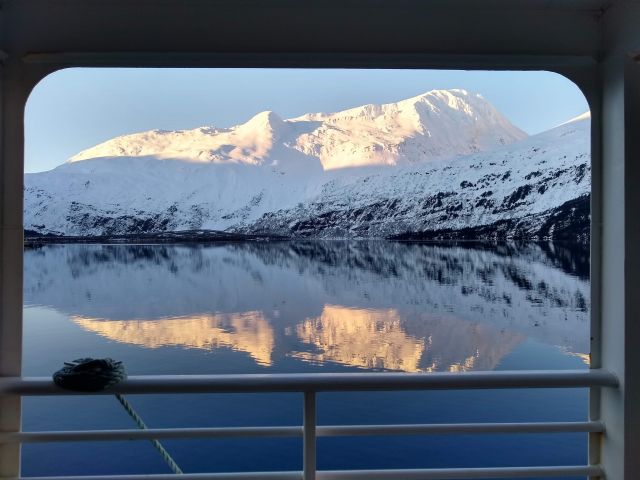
{"points": [[517, 188], [122, 195], [457, 163]]}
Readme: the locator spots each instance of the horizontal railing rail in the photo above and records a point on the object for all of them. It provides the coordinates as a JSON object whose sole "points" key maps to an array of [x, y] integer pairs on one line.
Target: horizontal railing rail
{"points": [[325, 382], [310, 385], [297, 431], [404, 474]]}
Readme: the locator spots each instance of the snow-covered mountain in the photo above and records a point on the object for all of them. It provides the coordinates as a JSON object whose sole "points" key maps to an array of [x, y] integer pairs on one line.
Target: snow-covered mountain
{"points": [[438, 124], [536, 188], [458, 163]]}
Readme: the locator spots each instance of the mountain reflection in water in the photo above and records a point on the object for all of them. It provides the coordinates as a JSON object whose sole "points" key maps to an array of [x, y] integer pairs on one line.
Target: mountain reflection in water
{"points": [[247, 332], [369, 305], [372, 339]]}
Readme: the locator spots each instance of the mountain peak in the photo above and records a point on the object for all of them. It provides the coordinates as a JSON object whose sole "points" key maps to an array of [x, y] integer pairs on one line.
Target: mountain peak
{"points": [[267, 118], [263, 124], [434, 125], [455, 99], [449, 93]]}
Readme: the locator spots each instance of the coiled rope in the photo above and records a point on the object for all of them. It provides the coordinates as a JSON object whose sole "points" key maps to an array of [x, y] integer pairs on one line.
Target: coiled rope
{"points": [[92, 375], [89, 375]]}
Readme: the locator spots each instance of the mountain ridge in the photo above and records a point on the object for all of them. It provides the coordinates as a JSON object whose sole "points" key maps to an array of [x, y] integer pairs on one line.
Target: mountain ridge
{"points": [[418, 129], [267, 176]]}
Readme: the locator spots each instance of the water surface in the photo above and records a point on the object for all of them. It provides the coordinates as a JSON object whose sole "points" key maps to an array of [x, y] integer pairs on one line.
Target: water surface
{"points": [[308, 307]]}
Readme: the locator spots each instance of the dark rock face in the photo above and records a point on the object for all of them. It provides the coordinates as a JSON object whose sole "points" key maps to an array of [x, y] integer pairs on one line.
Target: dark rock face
{"points": [[570, 221]]}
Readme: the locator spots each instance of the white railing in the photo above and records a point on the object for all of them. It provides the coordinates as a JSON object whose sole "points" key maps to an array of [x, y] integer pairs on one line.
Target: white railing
{"points": [[310, 385]]}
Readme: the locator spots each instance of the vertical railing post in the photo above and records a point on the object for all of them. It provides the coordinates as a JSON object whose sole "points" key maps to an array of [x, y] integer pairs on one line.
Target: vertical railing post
{"points": [[595, 438], [309, 436], [595, 355]]}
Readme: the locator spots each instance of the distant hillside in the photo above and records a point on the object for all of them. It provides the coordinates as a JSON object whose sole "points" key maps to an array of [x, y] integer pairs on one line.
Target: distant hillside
{"points": [[442, 164], [536, 188]]}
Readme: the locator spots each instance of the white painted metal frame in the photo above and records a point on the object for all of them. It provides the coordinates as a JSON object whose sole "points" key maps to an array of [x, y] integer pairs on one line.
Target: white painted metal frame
{"points": [[326, 382], [283, 432], [310, 385], [415, 474]]}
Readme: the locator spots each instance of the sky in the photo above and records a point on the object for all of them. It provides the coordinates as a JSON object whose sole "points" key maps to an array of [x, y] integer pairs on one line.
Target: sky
{"points": [[74, 109]]}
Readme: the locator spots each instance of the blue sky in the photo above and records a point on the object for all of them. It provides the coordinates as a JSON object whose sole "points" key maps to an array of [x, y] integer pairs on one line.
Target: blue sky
{"points": [[74, 109]]}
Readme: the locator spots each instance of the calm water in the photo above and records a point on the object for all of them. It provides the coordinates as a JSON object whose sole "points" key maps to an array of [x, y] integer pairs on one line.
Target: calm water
{"points": [[307, 307]]}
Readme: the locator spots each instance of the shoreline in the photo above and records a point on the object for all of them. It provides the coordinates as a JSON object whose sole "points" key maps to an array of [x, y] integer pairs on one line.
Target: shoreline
{"points": [[189, 236], [178, 238]]}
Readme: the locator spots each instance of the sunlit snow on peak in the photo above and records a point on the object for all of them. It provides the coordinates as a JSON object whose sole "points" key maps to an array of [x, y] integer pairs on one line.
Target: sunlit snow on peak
{"points": [[435, 125]]}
